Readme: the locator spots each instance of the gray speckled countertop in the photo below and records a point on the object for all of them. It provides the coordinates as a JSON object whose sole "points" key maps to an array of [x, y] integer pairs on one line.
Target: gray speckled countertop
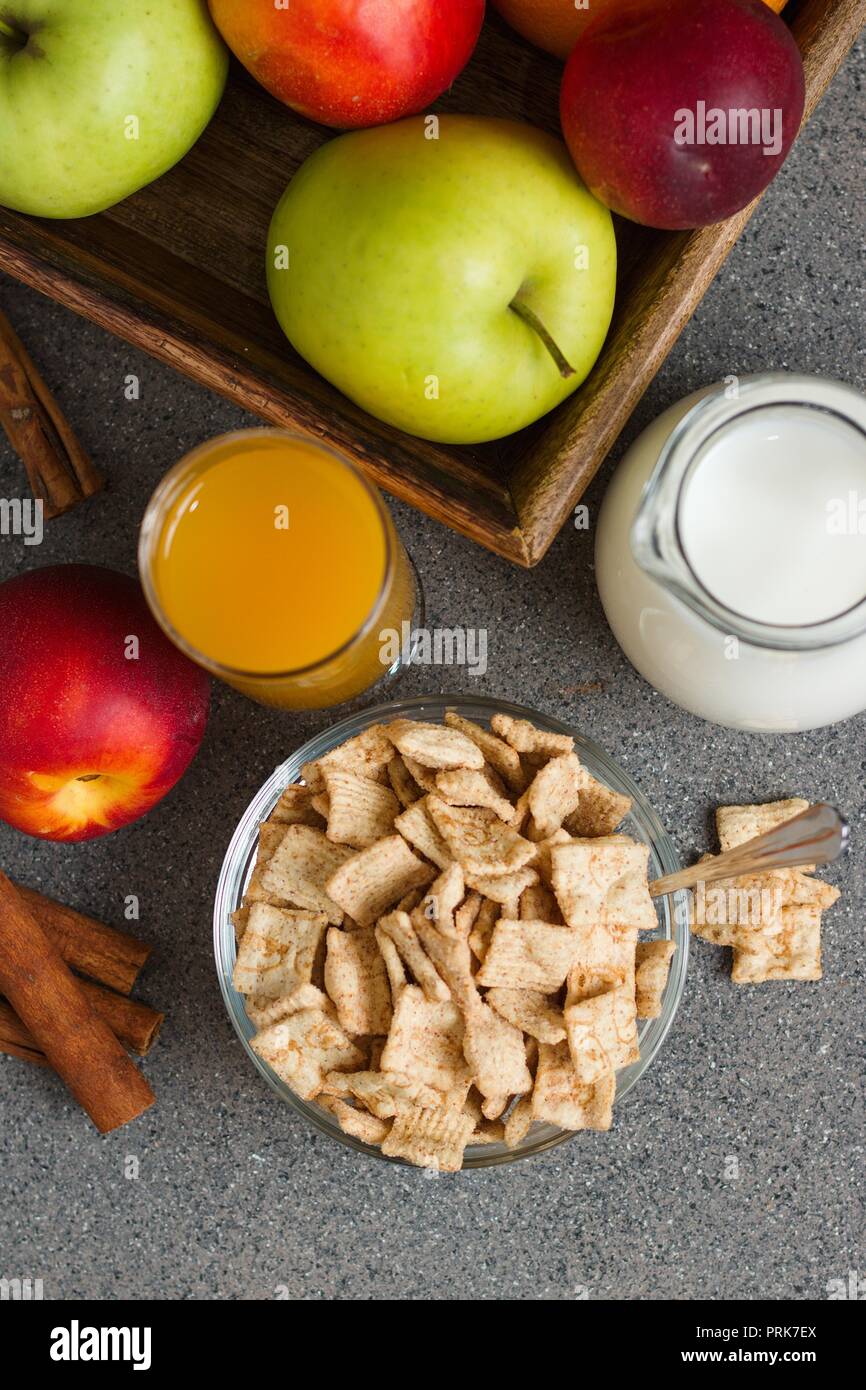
{"points": [[235, 1195]]}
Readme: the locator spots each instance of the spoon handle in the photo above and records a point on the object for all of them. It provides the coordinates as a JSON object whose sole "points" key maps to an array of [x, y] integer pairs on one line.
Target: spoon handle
{"points": [[816, 836]]}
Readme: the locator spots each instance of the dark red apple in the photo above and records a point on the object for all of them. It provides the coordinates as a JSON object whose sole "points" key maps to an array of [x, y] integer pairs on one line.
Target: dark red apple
{"points": [[679, 112], [99, 713], [350, 63]]}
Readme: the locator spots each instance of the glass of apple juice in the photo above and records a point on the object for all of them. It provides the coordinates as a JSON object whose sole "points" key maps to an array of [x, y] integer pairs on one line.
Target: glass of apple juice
{"points": [[272, 562]]}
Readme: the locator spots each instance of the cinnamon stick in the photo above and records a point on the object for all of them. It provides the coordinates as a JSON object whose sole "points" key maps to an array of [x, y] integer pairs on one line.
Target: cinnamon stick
{"points": [[54, 1008], [15, 1040], [58, 469], [113, 957], [134, 1024]]}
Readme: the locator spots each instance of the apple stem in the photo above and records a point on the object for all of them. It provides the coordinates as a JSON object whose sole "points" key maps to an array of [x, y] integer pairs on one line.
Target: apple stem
{"points": [[7, 30], [524, 312], [90, 777]]}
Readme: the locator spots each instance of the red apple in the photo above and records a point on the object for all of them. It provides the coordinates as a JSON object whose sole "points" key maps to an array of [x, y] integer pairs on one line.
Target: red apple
{"points": [[99, 713], [352, 63], [679, 112]]}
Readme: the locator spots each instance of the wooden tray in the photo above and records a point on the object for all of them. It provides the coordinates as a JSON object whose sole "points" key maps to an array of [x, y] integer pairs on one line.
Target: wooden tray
{"points": [[178, 269]]}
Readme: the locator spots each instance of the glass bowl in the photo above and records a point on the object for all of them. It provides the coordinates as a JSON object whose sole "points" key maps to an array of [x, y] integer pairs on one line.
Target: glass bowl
{"points": [[642, 823]]}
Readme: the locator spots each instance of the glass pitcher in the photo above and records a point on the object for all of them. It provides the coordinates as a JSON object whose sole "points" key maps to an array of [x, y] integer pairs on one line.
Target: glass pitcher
{"points": [[731, 553]]}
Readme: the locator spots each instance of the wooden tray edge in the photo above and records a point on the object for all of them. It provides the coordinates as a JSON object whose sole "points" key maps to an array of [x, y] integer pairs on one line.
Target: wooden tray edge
{"points": [[233, 379]]}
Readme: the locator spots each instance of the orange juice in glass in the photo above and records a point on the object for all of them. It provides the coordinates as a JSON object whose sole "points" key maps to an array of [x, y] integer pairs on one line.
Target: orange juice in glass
{"points": [[273, 563]]}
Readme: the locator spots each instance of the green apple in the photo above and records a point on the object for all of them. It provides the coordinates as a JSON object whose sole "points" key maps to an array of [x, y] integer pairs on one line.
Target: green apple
{"points": [[454, 278], [99, 97]]}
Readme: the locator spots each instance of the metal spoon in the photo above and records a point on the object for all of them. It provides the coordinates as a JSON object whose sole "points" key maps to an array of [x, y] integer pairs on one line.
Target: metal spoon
{"points": [[818, 835]]}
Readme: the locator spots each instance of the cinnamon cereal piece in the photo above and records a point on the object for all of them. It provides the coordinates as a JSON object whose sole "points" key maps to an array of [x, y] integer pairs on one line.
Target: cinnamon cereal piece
{"points": [[430, 1138], [357, 981], [239, 918], [278, 951], [538, 904], [403, 784], [271, 836], [528, 955], [504, 889], [383, 1093], [502, 758], [523, 737], [359, 1123], [603, 881], [601, 1023], [300, 868], [263, 1012], [425, 777], [792, 953], [426, 1042], [369, 882], [533, 1012], [469, 787], [496, 1056], [482, 928], [467, 914], [303, 1048], [295, 807], [367, 754], [737, 824], [416, 825], [360, 811], [518, 1123], [480, 842], [599, 810], [554, 794], [397, 926], [431, 745], [393, 964], [652, 967], [561, 1098]]}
